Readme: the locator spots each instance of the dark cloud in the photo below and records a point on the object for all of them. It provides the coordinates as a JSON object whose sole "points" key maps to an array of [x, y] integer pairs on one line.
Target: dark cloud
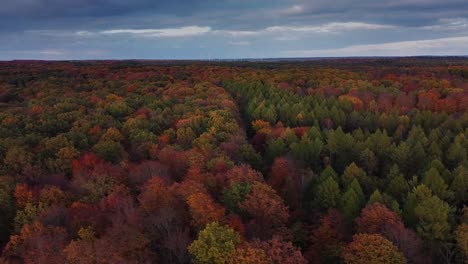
{"points": [[220, 28]]}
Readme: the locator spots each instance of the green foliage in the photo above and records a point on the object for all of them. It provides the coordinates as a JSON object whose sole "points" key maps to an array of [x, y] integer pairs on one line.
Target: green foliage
{"points": [[351, 204], [308, 151], [434, 181], [27, 215], [235, 195], [168, 137], [274, 149], [459, 185], [327, 194], [109, 150], [433, 216], [428, 213], [353, 172], [398, 187], [376, 197], [214, 244]]}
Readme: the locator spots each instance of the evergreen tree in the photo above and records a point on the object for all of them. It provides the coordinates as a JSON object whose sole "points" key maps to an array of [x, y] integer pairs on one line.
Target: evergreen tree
{"points": [[353, 172], [433, 180], [328, 194], [459, 185], [433, 218], [352, 202], [428, 213], [376, 197], [402, 156], [275, 148], [398, 187], [369, 161]]}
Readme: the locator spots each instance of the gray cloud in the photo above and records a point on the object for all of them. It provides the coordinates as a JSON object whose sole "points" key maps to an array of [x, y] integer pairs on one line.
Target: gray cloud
{"points": [[443, 46], [222, 28]]}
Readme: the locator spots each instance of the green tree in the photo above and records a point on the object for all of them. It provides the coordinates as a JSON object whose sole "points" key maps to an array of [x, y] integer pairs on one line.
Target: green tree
{"points": [[428, 213], [376, 197], [214, 244], [456, 154], [235, 195], [419, 193], [109, 150], [17, 158], [398, 187], [327, 195], [369, 160], [433, 218], [434, 181], [308, 151], [274, 149], [402, 157], [353, 172], [351, 204], [459, 185]]}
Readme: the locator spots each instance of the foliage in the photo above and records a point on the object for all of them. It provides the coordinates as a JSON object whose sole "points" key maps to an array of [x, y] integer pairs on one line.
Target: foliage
{"points": [[214, 244], [371, 248]]}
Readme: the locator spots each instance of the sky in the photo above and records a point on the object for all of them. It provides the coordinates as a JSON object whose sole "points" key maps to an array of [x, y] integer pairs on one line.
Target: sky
{"points": [[230, 29]]}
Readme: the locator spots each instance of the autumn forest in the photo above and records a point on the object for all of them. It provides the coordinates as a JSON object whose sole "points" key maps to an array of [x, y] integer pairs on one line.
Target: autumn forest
{"points": [[288, 162]]}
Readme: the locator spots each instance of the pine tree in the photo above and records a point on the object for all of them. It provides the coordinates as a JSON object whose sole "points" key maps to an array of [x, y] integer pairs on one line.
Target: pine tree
{"points": [[433, 180], [433, 218], [369, 160], [428, 213], [328, 194], [459, 185], [351, 204], [402, 156], [353, 172], [398, 187], [376, 197]]}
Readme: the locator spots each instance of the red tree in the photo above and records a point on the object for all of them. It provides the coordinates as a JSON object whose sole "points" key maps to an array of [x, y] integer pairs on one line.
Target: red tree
{"points": [[280, 252]]}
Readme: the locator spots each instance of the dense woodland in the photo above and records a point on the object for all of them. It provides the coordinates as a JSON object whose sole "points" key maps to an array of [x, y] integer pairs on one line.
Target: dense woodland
{"points": [[328, 161]]}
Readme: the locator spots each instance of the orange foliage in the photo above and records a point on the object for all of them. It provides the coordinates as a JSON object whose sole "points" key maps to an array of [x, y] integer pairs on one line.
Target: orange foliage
{"points": [[204, 210], [23, 195]]}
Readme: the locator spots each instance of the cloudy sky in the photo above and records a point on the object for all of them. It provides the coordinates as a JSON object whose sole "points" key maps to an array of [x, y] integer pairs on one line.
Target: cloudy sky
{"points": [[211, 29]]}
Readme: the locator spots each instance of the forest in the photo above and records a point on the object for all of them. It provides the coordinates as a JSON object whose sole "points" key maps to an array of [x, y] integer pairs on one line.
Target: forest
{"points": [[358, 160]]}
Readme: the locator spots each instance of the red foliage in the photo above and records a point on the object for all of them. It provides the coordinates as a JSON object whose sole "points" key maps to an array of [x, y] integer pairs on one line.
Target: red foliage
{"points": [[23, 195], [409, 244], [86, 163], [235, 222], [448, 105], [83, 215], [327, 240], [204, 210], [38, 244], [405, 102], [266, 208], [385, 102], [426, 100], [155, 195], [175, 160], [375, 218], [286, 180], [280, 251], [140, 173], [243, 174], [119, 206]]}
